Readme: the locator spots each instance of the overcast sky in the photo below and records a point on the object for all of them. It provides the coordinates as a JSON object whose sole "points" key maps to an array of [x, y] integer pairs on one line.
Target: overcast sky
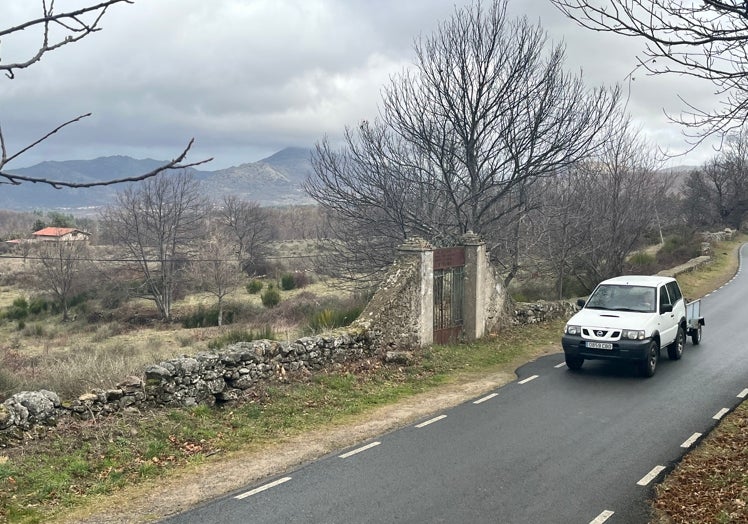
{"points": [[247, 78]]}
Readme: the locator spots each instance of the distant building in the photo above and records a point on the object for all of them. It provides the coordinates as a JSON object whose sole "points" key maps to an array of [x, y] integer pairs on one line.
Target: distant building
{"points": [[61, 233]]}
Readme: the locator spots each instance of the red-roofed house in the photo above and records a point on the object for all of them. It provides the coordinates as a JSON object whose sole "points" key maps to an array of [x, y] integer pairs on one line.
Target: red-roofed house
{"points": [[61, 233]]}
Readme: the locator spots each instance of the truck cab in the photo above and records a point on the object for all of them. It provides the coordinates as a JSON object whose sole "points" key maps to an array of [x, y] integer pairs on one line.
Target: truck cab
{"points": [[629, 318]]}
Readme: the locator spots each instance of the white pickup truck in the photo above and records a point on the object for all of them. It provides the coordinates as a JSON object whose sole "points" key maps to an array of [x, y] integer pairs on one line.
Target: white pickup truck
{"points": [[630, 318]]}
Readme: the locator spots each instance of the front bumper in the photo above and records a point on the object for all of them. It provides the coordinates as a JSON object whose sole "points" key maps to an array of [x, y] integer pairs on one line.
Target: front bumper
{"points": [[575, 346]]}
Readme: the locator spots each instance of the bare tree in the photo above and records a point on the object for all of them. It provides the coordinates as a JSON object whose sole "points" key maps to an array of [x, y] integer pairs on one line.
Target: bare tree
{"points": [[61, 266], [487, 109], [247, 228], [158, 223], [717, 193], [617, 194], [705, 39], [55, 30], [214, 270]]}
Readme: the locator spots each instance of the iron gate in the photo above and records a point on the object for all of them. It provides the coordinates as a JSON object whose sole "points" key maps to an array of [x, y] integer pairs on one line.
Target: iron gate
{"points": [[449, 273]]}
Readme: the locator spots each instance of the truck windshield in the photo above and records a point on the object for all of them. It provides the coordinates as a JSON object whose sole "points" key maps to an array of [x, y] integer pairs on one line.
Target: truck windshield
{"points": [[623, 298]]}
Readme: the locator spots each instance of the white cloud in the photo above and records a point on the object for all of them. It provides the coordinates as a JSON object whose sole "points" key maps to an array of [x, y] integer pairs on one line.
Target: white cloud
{"points": [[249, 77]]}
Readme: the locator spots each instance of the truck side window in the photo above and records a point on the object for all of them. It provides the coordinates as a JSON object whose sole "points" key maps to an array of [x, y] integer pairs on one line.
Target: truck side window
{"points": [[664, 298], [674, 291]]}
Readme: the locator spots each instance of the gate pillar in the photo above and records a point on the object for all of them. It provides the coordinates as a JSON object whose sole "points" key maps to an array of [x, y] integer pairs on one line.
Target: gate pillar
{"points": [[475, 284], [424, 252]]}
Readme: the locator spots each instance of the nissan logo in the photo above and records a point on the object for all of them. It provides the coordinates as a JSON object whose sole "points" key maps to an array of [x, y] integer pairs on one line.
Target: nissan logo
{"points": [[599, 333]]}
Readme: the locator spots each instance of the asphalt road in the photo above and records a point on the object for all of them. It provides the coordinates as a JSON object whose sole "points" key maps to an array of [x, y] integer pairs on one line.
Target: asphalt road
{"points": [[554, 446]]}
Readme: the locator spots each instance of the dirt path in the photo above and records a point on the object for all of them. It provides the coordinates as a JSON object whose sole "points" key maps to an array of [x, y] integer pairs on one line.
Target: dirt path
{"points": [[223, 474]]}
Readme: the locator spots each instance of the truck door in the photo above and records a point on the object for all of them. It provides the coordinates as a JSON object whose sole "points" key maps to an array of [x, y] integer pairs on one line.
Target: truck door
{"points": [[668, 320]]}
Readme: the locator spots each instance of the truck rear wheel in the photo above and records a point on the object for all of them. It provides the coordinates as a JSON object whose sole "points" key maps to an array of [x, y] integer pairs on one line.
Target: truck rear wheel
{"points": [[675, 350]]}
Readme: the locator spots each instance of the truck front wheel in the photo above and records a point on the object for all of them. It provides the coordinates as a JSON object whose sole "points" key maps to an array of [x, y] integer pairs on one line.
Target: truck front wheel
{"points": [[574, 363], [649, 365]]}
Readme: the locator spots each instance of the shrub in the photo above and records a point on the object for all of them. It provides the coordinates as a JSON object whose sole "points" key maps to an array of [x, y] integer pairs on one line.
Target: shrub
{"points": [[241, 335], [206, 317], [38, 305], [677, 250], [332, 318], [271, 297], [301, 279], [254, 286], [641, 263], [18, 310], [287, 282]]}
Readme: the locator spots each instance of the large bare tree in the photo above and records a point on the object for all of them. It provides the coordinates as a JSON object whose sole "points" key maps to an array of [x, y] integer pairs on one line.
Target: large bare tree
{"points": [[705, 39], [487, 108], [158, 223], [55, 29]]}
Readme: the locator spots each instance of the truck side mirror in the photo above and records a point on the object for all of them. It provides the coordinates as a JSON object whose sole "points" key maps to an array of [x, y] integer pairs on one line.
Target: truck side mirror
{"points": [[581, 302], [666, 308]]}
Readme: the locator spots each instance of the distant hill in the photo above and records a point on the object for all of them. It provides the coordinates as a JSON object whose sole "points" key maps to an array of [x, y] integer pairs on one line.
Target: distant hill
{"points": [[275, 180]]}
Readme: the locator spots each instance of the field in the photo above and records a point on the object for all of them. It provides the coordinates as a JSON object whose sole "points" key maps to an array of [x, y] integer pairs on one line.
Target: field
{"points": [[102, 345]]}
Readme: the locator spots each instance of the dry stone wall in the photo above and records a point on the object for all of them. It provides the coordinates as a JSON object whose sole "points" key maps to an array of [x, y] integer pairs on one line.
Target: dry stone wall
{"points": [[207, 378]]}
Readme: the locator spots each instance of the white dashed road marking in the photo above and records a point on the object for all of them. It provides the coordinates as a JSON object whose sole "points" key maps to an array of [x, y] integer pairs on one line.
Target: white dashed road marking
{"points": [[602, 517], [430, 421], [562, 364], [721, 413], [358, 450], [743, 393], [649, 477], [693, 438], [528, 379], [487, 397], [262, 488]]}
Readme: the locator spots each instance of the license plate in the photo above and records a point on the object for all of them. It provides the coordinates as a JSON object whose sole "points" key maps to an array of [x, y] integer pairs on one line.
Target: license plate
{"points": [[599, 345]]}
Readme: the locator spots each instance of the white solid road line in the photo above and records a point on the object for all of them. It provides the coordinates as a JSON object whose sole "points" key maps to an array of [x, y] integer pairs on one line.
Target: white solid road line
{"points": [[602, 517], [487, 397], [262, 488], [743, 393], [693, 438], [528, 379], [359, 450], [430, 421], [649, 477], [721, 413]]}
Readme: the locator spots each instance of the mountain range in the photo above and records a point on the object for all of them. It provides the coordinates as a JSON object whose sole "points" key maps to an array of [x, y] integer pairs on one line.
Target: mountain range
{"points": [[273, 181]]}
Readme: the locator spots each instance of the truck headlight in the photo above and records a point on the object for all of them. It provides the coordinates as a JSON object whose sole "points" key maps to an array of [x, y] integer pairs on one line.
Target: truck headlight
{"points": [[573, 330], [633, 334]]}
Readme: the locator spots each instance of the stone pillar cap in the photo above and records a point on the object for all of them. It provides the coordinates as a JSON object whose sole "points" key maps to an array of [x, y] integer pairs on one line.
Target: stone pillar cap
{"points": [[415, 244]]}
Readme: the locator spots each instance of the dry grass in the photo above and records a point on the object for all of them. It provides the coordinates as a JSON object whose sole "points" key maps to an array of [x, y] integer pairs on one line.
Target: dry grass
{"points": [[73, 357]]}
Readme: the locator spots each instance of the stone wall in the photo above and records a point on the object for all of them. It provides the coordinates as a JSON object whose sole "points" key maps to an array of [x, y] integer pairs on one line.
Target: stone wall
{"points": [[394, 314], [207, 378]]}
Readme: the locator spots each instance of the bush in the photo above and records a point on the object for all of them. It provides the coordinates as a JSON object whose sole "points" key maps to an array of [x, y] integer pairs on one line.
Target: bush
{"points": [[38, 305], [18, 310], [206, 317], [271, 297], [678, 250], [241, 335], [287, 282], [641, 264], [254, 286], [332, 318]]}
